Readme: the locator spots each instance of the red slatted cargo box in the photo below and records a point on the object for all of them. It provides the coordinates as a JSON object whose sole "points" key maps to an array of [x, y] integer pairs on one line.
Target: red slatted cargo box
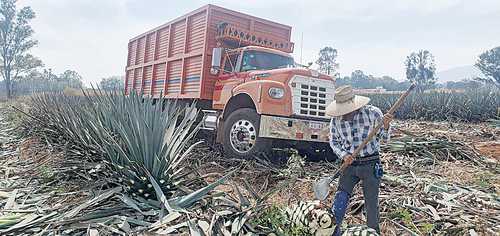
{"points": [[174, 59]]}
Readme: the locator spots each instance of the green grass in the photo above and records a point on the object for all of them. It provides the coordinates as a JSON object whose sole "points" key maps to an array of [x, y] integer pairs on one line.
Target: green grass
{"points": [[46, 173], [426, 228], [405, 216], [274, 218], [484, 180]]}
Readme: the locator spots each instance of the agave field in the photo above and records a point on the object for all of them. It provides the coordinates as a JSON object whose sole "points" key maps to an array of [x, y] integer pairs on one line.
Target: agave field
{"points": [[471, 105], [106, 164]]}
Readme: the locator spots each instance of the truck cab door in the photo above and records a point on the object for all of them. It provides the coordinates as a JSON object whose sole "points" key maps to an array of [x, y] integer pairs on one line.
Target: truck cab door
{"points": [[229, 77]]}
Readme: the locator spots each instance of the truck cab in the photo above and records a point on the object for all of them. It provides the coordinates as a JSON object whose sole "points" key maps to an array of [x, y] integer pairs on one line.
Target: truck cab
{"points": [[266, 100]]}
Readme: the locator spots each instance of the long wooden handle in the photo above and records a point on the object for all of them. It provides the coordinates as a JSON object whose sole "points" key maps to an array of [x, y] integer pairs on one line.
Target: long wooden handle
{"points": [[374, 131], [401, 99], [391, 111]]}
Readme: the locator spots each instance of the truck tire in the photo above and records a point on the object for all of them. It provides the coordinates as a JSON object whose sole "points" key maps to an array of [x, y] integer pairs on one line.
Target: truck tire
{"points": [[241, 134]]}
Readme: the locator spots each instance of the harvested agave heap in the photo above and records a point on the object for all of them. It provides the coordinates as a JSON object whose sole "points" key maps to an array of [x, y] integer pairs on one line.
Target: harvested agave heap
{"points": [[143, 141]]}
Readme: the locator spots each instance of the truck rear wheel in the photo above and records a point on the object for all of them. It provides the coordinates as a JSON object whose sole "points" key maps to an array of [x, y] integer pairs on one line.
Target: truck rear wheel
{"points": [[241, 134]]}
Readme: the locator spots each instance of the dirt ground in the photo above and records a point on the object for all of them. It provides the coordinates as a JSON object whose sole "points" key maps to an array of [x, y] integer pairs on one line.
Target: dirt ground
{"points": [[441, 195], [406, 185]]}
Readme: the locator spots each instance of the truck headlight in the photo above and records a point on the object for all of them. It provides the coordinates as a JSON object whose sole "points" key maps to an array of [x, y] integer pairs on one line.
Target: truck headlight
{"points": [[276, 93]]}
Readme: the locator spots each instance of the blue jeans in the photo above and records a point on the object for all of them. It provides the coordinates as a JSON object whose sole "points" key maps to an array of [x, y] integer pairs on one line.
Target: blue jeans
{"points": [[366, 173]]}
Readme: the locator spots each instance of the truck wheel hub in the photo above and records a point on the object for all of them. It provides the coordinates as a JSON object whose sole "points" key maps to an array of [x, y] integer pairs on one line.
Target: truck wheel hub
{"points": [[243, 136]]}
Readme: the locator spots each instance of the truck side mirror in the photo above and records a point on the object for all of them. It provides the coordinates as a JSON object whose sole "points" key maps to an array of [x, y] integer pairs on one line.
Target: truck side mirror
{"points": [[216, 60]]}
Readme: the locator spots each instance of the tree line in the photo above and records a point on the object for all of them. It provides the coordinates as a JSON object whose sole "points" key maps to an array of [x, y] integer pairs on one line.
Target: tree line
{"points": [[420, 68], [24, 73]]}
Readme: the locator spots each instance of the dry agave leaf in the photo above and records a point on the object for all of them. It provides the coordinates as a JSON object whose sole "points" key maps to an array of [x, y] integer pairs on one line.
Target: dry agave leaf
{"points": [[225, 232], [29, 221], [165, 220], [91, 202], [238, 223], [171, 229], [11, 201], [92, 232], [43, 231], [244, 202], [194, 230], [434, 212], [124, 226], [5, 194], [204, 226]]}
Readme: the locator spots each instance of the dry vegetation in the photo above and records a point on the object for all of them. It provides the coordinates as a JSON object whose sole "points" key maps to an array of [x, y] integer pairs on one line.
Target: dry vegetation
{"points": [[441, 178]]}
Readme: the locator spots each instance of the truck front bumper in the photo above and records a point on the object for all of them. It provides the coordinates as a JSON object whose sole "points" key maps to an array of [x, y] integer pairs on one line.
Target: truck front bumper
{"points": [[294, 129]]}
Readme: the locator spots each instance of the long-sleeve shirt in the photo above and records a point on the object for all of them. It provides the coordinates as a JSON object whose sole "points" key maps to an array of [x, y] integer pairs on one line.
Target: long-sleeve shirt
{"points": [[346, 136]]}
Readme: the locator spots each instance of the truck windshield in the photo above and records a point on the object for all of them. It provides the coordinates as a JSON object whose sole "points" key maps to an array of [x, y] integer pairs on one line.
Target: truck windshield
{"points": [[256, 60]]}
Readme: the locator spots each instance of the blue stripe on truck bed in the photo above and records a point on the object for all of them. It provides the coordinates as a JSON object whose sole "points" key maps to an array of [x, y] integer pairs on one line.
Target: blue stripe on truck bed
{"points": [[176, 80]]}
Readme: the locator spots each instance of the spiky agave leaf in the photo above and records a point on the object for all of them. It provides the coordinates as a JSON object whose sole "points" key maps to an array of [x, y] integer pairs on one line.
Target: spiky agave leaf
{"points": [[188, 200]]}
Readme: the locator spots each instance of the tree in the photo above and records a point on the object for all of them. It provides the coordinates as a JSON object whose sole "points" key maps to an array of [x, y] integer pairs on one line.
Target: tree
{"points": [[45, 80], [15, 38], [489, 64], [360, 80], [327, 60], [112, 83], [70, 78], [359, 76], [421, 69], [22, 69], [24, 65], [465, 84]]}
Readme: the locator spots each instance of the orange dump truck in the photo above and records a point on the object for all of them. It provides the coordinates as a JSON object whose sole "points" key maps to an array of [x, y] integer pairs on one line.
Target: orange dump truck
{"points": [[239, 70]]}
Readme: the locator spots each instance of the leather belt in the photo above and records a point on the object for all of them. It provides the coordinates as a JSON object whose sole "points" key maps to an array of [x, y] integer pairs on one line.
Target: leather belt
{"points": [[366, 159]]}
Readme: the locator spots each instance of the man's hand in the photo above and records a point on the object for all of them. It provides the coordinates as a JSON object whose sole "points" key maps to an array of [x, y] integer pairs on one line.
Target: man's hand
{"points": [[387, 120], [348, 160]]}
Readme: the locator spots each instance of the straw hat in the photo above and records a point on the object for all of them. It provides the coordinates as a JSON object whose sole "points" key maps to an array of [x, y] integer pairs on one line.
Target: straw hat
{"points": [[345, 101]]}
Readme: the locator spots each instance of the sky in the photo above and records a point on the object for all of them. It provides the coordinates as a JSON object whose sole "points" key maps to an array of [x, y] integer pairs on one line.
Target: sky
{"points": [[91, 36]]}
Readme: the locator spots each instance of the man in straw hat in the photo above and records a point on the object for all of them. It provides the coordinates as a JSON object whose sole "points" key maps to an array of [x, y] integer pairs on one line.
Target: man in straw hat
{"points": [[352, 120]]}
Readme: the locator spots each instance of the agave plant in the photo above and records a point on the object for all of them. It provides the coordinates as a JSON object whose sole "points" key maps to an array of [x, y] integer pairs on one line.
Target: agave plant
{"points": [[142, 139]]}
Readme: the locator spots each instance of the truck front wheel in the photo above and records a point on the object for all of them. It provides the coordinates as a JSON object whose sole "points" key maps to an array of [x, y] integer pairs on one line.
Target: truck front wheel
{"points": [[241, 134]]}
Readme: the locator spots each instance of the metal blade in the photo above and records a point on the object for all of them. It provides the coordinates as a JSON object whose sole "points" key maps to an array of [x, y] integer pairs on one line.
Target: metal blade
{"points": [[322, 188]]}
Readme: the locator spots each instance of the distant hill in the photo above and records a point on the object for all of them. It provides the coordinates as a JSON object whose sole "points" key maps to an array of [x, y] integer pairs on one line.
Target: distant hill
{"points": [[458, 73]]}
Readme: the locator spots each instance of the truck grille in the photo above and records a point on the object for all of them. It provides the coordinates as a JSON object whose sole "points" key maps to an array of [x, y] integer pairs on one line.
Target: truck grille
{"points": [[310, 96]]}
